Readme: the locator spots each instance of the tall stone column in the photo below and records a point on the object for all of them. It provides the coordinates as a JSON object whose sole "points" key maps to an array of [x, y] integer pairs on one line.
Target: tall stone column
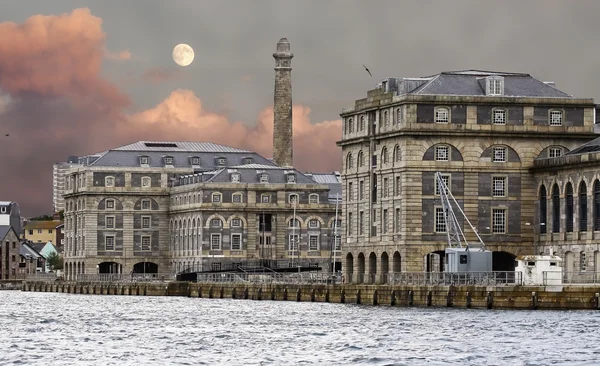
{"points": [[282, 108]]}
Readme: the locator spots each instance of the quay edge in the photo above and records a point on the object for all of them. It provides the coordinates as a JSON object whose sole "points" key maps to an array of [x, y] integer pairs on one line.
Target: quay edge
{"points": [[490, 297]]}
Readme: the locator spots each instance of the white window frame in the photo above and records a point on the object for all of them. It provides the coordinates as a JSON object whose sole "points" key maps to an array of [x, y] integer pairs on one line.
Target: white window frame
{"points": [[442, 115], [397, 218], [109, 181], [499, 116], [385, 188], [294, 197], [215, 241], [237, 196], [313, 223], [216, 222], [313, 198], [144, 160], [350, 125], [264, 178], [313, 243], [238, 246], [291, 223], [147, 219], [439, 221], [293, 242], [555, 152], [106, 219], [291, 178], [143, 247], [146, 182], [350, 191], [386, 118], [555, 117], [236, 222], [384, 155], [235, 178], [447, 179], [111, 205], [499, 186], [168, 160], [195, 160], [144, 202], [217, 197], [439, 156], [499, 220], [499, 154], [265, 198], [106, 243]]}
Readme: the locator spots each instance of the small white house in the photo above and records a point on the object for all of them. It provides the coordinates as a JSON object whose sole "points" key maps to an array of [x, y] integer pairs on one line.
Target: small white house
{"points": [[540, 270]]}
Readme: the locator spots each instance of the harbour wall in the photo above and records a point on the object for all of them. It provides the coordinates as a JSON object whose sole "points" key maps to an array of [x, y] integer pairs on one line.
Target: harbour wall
{"points": [[490, 297]]}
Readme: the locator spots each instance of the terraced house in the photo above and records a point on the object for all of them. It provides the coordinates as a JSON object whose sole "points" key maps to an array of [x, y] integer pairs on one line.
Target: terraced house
{"points": [[505, 143]]}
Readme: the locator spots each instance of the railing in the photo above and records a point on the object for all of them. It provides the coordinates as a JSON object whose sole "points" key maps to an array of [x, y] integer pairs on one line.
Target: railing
{"points": [[456, 278], [123, 277], [274, 278], [570, 278], [249, 265], [42, 277]]}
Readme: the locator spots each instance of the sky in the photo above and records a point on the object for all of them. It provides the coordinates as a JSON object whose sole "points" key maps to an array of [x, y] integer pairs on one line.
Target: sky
{"points": [[80, 77]]}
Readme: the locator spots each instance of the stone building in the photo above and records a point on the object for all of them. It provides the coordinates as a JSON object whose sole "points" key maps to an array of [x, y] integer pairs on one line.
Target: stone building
{"points": [[486, 132], [173, 207]]}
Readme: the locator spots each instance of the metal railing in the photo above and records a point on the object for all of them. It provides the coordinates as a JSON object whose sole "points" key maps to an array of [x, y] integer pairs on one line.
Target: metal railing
{"points": [[272, 278], [42, 277], [456, 278], [122, 277], [570, 278]]}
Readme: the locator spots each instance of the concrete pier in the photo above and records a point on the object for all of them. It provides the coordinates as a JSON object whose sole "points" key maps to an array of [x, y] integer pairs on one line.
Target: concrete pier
{"points": [[490, 297]]}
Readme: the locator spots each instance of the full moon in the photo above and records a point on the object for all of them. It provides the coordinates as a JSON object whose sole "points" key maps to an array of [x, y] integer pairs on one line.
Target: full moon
{"points": [[183, 54]]}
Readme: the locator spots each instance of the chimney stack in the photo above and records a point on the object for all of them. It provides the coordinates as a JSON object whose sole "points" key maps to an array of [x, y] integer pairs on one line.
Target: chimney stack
{"points": [[282, 107]]}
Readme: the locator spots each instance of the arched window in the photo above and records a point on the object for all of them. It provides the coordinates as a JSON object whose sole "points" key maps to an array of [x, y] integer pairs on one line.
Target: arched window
{"points": [[349, 161], [350, 125], [146, 182], [313, 198], [396, 153], [361, 126], [294, 223], [543, 209], [386, 118], [555, 209], [384, 155], [597, 205], [583, 207], [569, 207], [360, 159], [398, 115]]}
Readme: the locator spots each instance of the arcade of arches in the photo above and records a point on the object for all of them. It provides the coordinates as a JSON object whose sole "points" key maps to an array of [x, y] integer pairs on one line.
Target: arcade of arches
{"points": [[75, 269]]}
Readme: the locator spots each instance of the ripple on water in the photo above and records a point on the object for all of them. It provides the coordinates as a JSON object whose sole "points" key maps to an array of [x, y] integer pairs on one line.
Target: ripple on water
{"points": [[113, 330]]}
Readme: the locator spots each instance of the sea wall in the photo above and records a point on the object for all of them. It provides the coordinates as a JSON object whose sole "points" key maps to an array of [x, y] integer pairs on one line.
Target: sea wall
{"points": [[11, 284], [490, 297]]}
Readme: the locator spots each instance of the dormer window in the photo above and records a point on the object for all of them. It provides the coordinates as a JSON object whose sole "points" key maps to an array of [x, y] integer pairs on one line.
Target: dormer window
{"points": [[3, 209], [291, 178], [144, 160], [248, 160], [194, 160], [168, 160], [494, 85], [221, 161], [146, 182], [264, 178], [109, 181], [235, 177]]}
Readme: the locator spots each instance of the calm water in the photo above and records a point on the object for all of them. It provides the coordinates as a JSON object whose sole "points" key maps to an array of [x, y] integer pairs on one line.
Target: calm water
{"points": [[62, 329]]}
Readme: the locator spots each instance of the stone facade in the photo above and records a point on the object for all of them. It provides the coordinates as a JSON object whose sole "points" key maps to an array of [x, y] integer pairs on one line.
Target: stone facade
{"points": [[282, 107], [485, 145], [9, 254]]}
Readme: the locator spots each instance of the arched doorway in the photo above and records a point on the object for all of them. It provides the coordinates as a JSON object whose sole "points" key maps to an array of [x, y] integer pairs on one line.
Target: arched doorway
{"points": [[397, 266], [385, 267], [372, 267], [109, 267], [145, 267], [503, 261], [434, 261], [349, 267], [360, 277]]}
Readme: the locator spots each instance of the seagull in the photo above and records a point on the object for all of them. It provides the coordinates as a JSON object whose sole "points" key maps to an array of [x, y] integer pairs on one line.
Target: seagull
{"points": [[368, 70], [8, 134]]}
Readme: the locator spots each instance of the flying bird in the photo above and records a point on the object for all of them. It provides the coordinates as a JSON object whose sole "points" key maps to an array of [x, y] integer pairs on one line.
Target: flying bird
{"points": [[366, 68], [8, 134]]}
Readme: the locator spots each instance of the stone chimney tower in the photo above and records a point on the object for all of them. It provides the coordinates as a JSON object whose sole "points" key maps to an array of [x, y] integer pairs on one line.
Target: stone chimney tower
{"points": [[282, 108]]}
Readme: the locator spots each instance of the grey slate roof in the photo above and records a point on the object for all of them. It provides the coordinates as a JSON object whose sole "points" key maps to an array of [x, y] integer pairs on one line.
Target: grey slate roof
{"points": [[592, 146], [251, 175], [26, 250], [4, 229], [128, 155], [472, 83], [37, 246]]}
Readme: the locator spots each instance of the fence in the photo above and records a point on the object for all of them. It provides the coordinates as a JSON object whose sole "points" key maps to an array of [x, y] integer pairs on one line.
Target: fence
{"points": [[42, 277], [273, 278], [570, 278], [456, 278], [123, 277]]}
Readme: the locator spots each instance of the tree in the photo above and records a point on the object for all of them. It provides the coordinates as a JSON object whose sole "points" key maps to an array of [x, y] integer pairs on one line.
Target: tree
{"points": [[62, 214], [55, 261]]}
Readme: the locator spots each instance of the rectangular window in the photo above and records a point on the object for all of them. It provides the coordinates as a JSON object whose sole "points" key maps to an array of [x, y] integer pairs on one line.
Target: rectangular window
{"points": [[441, 153], [440, 222], [445, 179], [313, 198], [216, 197], [361, 190], [441, 115], [264, 178], [146, 182], [146, 222], [499, 117], [397, 221], [349, 224], [109, 243], [237, 198], [499, 154], [556, 118], [145, 243], [338, 243], [293, 199], [313, 242], [215, 241], [145, 204], [499, 186], [169, 161], [50, 231], [498, 220], [222, 161], [30, 232], [361, 222], [554, 152], [39, 231], [293, 242], [215, 222], [110, 204], [397, 186], [384, 222], [582, 262], [195, 161], [110, 222], [109, 181], [385, 187], [313, 224], [236, 241], [350, 192], [235, 223]]}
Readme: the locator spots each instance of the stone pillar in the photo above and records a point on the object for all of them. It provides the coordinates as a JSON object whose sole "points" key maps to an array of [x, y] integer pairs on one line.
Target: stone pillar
{"points": [[282, 108]]}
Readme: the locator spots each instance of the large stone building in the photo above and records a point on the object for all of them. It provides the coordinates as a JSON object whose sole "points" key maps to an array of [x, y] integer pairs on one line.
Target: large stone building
{"points": [[173, 207], [495, 137]]}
